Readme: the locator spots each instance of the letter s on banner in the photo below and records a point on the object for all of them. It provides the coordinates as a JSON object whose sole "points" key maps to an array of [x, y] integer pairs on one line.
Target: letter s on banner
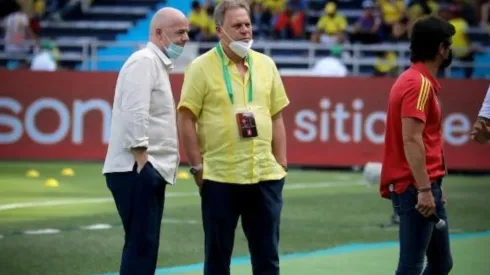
{"points": [[9, 121], [30, 121]]}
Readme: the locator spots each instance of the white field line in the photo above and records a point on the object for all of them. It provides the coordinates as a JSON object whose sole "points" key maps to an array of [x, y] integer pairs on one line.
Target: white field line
{"points": [[42, 231], [98, 226], [297, 186]]}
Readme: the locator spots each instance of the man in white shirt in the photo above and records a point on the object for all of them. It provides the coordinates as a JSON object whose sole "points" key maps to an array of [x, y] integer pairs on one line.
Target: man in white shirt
{"points": [[143, 154], [481, 128]]}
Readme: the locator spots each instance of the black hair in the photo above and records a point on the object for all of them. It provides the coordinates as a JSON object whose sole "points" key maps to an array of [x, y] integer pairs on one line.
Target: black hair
{"points": [[195, 5], [424, 4], [426, 36]]}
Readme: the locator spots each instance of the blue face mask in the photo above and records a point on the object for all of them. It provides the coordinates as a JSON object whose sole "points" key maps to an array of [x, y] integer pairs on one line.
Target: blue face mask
{"points": [[173, 50]]}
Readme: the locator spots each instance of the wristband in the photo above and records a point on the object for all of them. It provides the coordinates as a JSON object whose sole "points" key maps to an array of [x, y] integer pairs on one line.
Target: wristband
{"points": [[195, 169], [421, 190]]}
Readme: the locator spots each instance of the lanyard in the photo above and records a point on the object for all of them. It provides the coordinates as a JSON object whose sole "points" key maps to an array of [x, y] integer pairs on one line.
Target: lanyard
{"points": [[226, 75]]}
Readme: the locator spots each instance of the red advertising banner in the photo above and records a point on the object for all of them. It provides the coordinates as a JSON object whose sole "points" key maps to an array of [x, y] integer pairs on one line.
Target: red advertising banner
{"points": [[330, 122]]}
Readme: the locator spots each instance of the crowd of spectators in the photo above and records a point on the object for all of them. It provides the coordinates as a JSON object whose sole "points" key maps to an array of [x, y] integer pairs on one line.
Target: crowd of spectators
{"points": [[21, 20], [381, 20]]}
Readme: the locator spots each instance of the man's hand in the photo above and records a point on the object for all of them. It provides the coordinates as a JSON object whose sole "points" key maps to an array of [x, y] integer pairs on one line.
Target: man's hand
{"points": [[480, 132], [198, 179], [425, 204], [141, 158]]}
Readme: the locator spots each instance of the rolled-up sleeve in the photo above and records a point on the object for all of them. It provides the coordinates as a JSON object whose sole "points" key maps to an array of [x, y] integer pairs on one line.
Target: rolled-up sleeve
{"points": [[136, 87], [193, 89], [485, 108]]}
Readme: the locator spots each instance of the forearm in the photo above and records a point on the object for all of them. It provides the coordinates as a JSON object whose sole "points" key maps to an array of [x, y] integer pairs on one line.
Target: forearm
{"points": [[415, 155], [188, 137], [279, 140]]}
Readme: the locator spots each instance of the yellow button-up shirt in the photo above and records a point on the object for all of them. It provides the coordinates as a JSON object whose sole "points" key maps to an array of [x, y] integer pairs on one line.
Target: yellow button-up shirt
{"points": [[227, 157]]}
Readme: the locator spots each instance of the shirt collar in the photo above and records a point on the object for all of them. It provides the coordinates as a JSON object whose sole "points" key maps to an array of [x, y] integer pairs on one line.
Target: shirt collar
{"points": [[421, 68], [160, 54], [227, 60]]}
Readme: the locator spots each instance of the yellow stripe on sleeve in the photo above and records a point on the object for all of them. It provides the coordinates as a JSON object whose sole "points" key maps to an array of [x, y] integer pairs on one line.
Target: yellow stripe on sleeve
{"points": [[423, 94]]}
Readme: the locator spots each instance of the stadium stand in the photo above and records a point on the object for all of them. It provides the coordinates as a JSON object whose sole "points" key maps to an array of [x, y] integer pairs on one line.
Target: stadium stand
{"points": [[106, 33]]}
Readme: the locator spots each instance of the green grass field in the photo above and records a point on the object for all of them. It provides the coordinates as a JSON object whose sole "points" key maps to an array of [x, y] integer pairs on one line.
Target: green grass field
{"points": [[330, 225]]}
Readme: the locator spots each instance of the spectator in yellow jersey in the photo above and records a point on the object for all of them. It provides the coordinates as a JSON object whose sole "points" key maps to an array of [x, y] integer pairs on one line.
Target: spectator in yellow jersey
{"points": [[392, 10], [232, 132], [462, 49], [198, 20], [393, 14], [419, 8], [385, 64], [331, 26]]}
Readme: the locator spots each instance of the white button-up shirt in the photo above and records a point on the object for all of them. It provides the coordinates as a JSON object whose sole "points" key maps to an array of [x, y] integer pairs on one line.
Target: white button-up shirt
{"points": [[485, 108], [144, 115]]}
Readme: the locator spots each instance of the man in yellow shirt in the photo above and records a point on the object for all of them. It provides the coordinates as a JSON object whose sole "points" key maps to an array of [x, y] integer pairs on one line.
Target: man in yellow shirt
{"points": [[233, 134]]}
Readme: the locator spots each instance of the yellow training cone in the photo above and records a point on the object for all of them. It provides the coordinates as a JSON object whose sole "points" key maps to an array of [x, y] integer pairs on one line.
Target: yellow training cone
{"points": [[51, 183], [33, 173], [68, 172], [183, 175]]}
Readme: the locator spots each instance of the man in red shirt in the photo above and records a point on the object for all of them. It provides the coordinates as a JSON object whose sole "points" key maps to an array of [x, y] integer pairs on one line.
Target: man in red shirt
{"points": [[413, 163]]}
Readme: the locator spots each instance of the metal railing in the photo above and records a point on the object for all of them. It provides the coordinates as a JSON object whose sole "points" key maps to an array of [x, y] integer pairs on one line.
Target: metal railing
{"points": [[87, 52]]}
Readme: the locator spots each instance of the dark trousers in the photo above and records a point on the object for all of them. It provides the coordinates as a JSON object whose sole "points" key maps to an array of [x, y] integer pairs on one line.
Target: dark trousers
{"points": [[139, 200], [259, 206], [419, 237]]}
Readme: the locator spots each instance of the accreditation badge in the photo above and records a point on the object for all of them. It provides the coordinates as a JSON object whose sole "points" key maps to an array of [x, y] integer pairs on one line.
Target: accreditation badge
{"points": [[247, 128]]}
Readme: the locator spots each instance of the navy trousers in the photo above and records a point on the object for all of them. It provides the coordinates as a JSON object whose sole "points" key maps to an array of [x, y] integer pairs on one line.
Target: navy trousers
{"points": [[419, 237], [139, 200], [259, 206]]}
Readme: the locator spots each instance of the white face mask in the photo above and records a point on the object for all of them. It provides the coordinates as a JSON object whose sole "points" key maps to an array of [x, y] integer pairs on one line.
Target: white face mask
{"points": [[240, 48]]}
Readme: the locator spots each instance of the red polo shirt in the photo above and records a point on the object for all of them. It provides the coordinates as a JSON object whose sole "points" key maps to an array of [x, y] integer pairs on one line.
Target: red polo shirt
{"points": [[414, 95]]}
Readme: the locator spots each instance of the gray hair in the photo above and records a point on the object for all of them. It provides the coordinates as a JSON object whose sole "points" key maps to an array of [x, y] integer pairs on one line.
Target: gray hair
{"points": [[223, 6]]}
